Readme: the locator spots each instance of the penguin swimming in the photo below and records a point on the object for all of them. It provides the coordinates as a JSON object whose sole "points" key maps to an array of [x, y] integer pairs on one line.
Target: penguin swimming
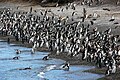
{"points": [[45, 58]]}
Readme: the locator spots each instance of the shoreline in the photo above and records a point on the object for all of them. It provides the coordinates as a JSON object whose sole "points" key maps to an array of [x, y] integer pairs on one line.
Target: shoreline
{"points": [[63, 56], [72, 61]]}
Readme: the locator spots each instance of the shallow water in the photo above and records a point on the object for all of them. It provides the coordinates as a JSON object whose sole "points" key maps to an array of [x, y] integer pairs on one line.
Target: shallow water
{"points": [[40, 70]]}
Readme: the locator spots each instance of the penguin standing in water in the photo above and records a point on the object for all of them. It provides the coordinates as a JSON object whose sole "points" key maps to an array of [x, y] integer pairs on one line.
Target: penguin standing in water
{"points": [[8, 40], [33, 50], [18, 51], [66, 66]]}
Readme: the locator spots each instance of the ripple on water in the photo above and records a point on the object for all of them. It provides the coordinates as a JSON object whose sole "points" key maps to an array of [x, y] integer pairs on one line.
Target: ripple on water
{"points": [[75, 73]]}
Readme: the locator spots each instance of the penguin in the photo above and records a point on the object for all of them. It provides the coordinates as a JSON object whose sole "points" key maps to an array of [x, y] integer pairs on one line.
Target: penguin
{"points": [[112, 19], [33, 50], [85, 54], [27, 68], [106, 9], [108, 71], [73, 13], [66, 66], [8, 40], [45, 58], [30, 9], [91, 22], [18, 51], [15, 58]]}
